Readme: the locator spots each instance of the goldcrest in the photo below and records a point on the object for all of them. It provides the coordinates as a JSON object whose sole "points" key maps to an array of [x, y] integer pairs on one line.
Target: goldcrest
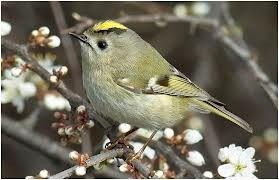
{"points": [[127, 80]]}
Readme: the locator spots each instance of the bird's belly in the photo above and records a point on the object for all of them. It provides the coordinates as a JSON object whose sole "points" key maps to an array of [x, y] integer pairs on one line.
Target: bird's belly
{"points": [[140, 110]]}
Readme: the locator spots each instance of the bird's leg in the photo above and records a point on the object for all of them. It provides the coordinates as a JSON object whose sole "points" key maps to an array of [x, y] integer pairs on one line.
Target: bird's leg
{"points": [[120, 139], [139, 153]]}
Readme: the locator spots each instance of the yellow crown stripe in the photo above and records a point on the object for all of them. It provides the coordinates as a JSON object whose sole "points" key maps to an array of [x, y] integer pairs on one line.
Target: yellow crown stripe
{"points": [[104, 26]]}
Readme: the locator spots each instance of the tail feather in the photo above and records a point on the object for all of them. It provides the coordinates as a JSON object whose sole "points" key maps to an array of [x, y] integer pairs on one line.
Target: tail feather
{"points": [[221, 111]]}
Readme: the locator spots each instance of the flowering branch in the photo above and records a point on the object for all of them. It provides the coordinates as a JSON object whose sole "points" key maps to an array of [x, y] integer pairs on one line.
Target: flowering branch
{"points": [[54, 150], [74, 99], [236, 44], [93, 160]]}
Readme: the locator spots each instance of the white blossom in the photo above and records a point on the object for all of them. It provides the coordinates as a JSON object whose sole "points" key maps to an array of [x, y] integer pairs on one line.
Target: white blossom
{"points": [[208, 174], [5, 28], [239, 162], [44, 174], [180, 10], [80, 171], [44, 31], [168, 133], [27, 89], [200, 8], [148, 152], [15, 71], [192, 136], [195, 158], [124, 127], [16, 90], [56, 102], [54, 41]]}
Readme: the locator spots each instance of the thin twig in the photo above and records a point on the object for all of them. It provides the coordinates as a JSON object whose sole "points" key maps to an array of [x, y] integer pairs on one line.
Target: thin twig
{"points": [[87, 22], [31, 120], [93, 160], [67, 43]]}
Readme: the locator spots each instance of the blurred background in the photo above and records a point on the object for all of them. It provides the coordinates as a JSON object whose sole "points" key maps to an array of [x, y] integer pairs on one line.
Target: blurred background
{"points": [[196, 53]]}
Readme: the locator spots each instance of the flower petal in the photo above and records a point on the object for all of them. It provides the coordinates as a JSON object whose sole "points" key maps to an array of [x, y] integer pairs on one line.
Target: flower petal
{"points": [[226, 170]]}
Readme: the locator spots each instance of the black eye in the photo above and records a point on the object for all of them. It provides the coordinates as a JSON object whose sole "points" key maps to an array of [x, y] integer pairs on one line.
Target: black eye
{"points": [[102, 45]]}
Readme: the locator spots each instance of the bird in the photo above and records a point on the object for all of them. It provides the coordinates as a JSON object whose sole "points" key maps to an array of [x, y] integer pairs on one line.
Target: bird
{"points": [[128, 80]]}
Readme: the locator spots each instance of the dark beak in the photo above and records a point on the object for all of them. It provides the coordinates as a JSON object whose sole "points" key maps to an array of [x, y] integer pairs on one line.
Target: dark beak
{"points": [[79, 37]]}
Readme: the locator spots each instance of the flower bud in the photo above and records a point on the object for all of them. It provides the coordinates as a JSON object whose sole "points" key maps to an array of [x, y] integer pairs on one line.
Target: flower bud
{"points": [[29, 177], [69, 131], [80, 171], [192, 136], [53, 79], [61, 131], [195, 158], [54, 41], [74, 155], [81, 109], [123, 127], [200, 8], [208, 174], [90, 124], [35, 33], [44, 174], [5, 28], [64, 70], [159, 174], [44, 31], [168, 133]]}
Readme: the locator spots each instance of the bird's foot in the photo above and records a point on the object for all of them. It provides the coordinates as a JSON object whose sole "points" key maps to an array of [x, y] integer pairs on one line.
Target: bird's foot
{"points": [[135, 156]]}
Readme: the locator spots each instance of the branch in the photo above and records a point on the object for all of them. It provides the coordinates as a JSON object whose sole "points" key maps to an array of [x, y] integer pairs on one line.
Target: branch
{"points": [[251, 62], [74, 99], [86, 22], [93, 160]]}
